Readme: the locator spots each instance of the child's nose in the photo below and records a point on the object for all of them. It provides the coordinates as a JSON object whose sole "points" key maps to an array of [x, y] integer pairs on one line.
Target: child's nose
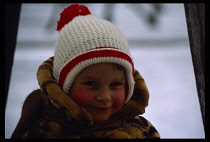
{"points": [[104, 94]]}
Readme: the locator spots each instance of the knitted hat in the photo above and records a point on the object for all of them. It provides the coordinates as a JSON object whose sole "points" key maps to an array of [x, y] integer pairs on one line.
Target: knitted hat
{"points": [[84, 40]]}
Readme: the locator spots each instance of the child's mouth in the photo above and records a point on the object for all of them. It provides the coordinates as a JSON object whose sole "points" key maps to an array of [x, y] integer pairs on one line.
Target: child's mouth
{"points": [[101, 109]]}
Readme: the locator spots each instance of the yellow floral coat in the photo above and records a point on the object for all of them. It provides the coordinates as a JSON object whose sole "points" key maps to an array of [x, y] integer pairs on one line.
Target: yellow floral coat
{"points": [[61, 118]]}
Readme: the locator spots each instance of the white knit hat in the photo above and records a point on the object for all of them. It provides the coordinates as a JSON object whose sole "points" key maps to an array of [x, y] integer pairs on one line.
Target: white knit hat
{"points": [[84, 40]]}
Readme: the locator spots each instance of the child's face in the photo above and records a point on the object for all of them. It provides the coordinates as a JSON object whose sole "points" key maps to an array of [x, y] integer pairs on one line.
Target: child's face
{"points": [[100, 88]]}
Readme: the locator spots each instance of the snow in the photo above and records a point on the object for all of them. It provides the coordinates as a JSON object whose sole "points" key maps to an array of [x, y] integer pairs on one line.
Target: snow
{"points": [[161, 54]]}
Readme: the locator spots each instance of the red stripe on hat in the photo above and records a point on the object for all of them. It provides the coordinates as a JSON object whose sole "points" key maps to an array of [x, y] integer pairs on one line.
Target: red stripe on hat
{"points": [[89, 55]]}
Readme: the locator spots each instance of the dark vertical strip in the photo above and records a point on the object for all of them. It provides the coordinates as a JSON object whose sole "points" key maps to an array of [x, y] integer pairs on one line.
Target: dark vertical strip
{"points": [[195, 17], [12, 14]]}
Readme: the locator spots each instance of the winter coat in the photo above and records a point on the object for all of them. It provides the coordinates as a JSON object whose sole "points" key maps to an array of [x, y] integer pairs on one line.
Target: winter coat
{"points": [[49, 113]]}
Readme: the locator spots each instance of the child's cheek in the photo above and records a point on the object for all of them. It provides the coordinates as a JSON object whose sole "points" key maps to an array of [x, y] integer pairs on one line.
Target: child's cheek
{"points": [[81, 96], [119, 99]]}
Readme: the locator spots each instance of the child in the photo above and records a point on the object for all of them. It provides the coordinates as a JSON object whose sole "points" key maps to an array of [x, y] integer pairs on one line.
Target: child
{"points": [[89, 89]]}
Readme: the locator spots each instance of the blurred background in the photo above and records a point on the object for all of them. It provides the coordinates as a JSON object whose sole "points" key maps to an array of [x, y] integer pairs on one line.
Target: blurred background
{"points": [[158, 41]]}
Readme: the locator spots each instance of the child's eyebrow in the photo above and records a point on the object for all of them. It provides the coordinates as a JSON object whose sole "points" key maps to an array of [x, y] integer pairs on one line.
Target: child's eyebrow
{"points": [[120, 79], [89, 77]]}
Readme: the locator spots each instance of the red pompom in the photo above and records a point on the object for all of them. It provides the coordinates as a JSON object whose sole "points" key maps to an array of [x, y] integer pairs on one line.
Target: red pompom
{"points": [[70, 13]]}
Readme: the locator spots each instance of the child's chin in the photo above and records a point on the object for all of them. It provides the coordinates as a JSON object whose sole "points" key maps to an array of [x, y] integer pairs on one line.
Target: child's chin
{"points": [[100, 119]]}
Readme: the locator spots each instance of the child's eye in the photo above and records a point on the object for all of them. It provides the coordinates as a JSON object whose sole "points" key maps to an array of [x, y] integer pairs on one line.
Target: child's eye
{"points": [[90, 83], [117, 84]]}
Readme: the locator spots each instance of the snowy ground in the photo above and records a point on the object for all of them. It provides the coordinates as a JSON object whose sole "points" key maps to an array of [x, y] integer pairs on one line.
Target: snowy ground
{"points": [[161, 54]]}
